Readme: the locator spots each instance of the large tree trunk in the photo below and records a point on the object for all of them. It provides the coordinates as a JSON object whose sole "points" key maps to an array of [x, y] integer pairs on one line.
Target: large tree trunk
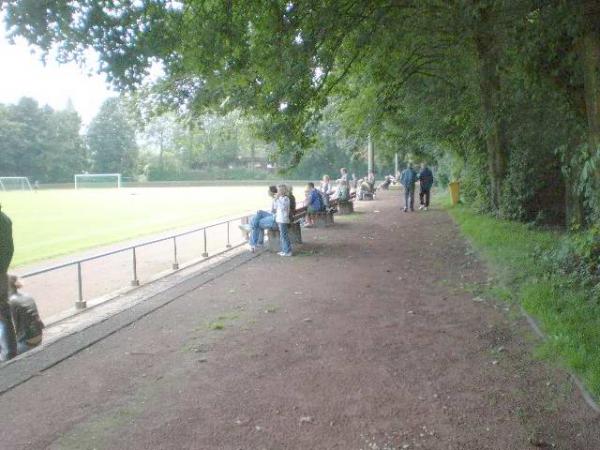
{"points": [[591, 71], [574, 210], [489, 82]]}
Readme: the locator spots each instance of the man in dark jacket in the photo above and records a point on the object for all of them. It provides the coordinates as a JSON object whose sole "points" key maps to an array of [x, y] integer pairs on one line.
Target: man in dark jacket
{"points": [[408, 178], [426, 182], [8, 343]]}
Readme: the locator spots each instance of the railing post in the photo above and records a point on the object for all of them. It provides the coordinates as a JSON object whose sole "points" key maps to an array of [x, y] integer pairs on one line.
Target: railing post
{"points": [[134, 281], [205, 254], [175, 262], [79, 304], [228, 242]]}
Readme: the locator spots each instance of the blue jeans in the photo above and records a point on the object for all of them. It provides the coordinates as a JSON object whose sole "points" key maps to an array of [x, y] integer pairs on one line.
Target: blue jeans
{"points": [[260, 222], [284, 238]]}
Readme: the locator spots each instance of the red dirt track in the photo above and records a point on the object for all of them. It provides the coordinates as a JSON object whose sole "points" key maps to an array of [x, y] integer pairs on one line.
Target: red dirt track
{"points": [[368, 338]]}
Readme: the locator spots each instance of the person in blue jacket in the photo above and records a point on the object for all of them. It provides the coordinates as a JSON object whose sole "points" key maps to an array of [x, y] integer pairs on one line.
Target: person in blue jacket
{"points": [[313, 202], [426, 182], [408, 178]]}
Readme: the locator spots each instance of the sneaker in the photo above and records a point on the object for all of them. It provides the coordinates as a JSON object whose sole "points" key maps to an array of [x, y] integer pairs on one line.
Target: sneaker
{"points": [[422, 207], [245, 228], [425, 208], [285, 254], [405, 209], [281, 253]]}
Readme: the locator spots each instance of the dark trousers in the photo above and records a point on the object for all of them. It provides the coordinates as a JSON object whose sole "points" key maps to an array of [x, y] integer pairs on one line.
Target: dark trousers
{"points": [[409, 198], [424, 195]]}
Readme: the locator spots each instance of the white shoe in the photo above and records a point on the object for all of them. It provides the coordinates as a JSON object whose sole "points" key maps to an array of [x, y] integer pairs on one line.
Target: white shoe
{"points": [[285, 254], [425, 208], [245, 228], [422, 207]]}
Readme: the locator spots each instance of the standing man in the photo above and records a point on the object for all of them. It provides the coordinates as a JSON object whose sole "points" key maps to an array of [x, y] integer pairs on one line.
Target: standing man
{"points": [[408, 178], [8, 343], [426, 182]]}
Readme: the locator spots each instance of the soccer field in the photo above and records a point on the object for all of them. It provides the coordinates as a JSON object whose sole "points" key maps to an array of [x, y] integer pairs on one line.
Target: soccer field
{"points": [[51, 223]]}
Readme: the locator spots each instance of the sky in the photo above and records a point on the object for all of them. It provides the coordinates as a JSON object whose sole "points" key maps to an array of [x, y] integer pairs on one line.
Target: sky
{"points": [[53, 84]]}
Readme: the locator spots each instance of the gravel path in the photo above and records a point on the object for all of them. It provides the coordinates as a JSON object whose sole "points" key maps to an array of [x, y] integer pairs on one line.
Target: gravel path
{"points": [[369, 338]]}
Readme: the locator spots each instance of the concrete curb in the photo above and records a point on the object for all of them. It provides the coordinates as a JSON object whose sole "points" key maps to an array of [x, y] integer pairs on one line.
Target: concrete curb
{"points": [[20, 370], [587, 396]]}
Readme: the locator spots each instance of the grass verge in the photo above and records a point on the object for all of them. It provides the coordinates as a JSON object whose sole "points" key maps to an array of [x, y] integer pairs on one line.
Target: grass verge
{"points": [[567, 313]]}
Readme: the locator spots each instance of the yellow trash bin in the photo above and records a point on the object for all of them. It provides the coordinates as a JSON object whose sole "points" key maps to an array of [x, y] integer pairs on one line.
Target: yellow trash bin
{"points": [[454, 192]]}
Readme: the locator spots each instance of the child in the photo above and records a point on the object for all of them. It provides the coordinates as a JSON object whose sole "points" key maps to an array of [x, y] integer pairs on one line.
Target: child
{"points": [[282, 217], [25, 317], [314, 203]]}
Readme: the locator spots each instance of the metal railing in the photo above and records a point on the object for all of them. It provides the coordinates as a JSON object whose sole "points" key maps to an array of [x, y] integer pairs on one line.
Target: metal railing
{"points": [[82, 304]]}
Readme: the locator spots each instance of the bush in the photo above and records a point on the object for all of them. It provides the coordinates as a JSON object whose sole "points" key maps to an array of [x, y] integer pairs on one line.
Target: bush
{"points": [[577, 256]]}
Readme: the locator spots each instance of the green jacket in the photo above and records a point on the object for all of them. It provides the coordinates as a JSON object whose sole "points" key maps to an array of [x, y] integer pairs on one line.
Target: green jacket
{"points": [[6, 243]]}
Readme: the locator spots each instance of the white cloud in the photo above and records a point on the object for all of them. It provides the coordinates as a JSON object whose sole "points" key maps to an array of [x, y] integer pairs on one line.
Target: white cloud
{"points": [[24, 75]]}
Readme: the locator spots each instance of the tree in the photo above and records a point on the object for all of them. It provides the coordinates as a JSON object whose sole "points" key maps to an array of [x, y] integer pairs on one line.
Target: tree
{"points": [[284, 62], [39, 142], [65, 152], [111, 140]]}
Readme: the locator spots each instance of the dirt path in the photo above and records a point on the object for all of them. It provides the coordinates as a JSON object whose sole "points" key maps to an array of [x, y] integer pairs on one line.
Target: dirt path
{"points": [[368, 339]]}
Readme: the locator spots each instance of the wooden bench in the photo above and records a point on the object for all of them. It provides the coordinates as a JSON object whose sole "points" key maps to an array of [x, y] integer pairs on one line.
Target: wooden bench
{"points": [[294, 232], [322, 219], [345, 207], [366, 196]]}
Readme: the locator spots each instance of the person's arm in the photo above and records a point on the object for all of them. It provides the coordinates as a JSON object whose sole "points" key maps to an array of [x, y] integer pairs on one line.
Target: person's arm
{"points": [[6, 243]]}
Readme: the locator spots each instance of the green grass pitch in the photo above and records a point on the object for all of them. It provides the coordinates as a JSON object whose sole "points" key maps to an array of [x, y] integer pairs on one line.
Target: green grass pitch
{"points": [[51, 223]]}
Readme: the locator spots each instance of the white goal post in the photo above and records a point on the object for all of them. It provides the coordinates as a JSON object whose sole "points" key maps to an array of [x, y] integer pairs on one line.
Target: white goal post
{"points": [[97, 180], [15, 183]]}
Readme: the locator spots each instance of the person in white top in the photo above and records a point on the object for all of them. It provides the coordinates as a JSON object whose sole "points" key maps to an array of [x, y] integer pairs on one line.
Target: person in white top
{"points": [[326, 187], [282, 217]]}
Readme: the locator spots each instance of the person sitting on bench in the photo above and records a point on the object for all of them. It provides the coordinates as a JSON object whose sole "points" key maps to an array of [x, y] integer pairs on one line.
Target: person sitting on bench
{"points": [[25, 317], [365, 189], [314, 204], [261, 221], [342, 193], [385, 185]]}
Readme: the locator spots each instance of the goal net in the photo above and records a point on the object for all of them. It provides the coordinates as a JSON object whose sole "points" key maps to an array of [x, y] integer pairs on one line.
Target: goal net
{"points": [[15, 184], [97, 180]]}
